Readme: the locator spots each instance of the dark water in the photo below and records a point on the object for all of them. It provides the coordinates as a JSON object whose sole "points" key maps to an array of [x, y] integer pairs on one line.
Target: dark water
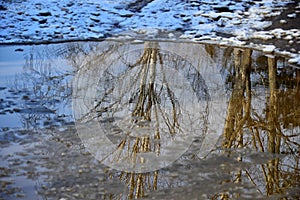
{"points": [[198, 121]]}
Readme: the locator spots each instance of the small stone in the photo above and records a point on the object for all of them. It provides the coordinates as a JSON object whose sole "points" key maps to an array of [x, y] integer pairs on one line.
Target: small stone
{"points": [[95, 14], [17, 110], [126, 14], [95, 30], [64, 9], [44, 13], [20, 195], [186, 19], [43, 21], [95, 19], [44, 187], [70, 4], [165, 9], [282, 21], [35, 19]]}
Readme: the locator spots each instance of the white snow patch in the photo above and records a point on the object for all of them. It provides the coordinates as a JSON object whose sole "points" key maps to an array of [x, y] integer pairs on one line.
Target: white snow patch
{"points": [[268, 48], [264, 35], [215, 15], [76, 19], [295, 59]]}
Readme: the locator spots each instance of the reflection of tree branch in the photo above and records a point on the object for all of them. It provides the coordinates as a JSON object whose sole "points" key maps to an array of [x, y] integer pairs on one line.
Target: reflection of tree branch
{"points": [[147, 89], [252, 181]]}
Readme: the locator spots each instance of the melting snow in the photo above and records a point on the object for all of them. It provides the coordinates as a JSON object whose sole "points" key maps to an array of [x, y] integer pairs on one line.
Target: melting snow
{"points": [[25, 21], [196, 20]]}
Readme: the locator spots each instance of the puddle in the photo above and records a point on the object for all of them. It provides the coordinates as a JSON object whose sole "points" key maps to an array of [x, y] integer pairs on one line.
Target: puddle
{"points": [[153, 120]]}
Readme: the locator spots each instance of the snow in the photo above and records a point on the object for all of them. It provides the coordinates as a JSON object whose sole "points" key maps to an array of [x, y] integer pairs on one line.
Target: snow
{"points": [[37, 21], [26, 21], [295, 59], [268, 48]]}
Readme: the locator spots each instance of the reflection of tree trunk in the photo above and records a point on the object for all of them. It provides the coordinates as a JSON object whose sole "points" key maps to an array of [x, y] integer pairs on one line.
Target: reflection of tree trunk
{"points": [[272, 110], [298, 81], [239, 105], [274, 139]]}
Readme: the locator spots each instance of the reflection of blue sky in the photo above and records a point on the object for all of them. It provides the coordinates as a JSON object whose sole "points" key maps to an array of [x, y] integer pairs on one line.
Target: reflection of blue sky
{"points": [[8, 53], [41, 106], [11, 63], [9, 120]]}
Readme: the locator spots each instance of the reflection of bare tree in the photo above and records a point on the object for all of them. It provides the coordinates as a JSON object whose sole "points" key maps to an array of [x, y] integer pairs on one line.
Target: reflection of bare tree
{"points": [[147, 108], [140, 108], [268, 125], [277, 139], [269, 130]]}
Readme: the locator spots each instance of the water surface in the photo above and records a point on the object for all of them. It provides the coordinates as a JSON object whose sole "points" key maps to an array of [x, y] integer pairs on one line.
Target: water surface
{"points": [[226, 120]]}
